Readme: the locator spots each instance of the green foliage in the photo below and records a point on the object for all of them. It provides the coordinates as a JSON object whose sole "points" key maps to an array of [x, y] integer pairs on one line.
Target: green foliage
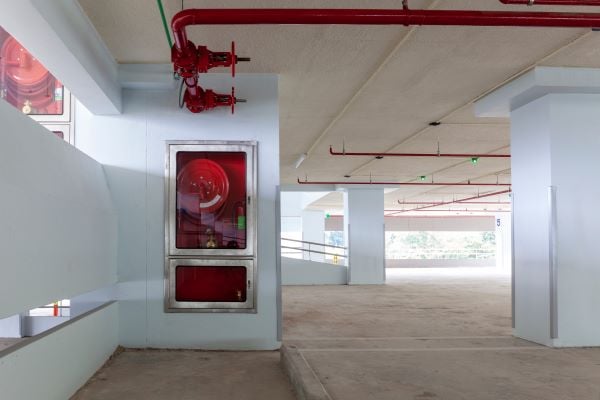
{"points": [[440, 245]]}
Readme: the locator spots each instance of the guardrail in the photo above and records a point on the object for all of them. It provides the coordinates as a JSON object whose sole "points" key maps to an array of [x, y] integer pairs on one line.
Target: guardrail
{"points": [[306, 250], [441, 254]]}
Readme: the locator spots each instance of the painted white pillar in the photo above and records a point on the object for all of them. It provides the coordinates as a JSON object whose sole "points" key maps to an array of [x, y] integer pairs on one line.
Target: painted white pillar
{"points": [[364, 235], [503, 241], [555, 143], [313, 230]]}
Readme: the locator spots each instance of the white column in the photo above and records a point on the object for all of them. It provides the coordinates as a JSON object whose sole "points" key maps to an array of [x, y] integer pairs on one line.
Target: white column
{"points": [[313, 230], [364, 235], [555, 145], [503, 241]]}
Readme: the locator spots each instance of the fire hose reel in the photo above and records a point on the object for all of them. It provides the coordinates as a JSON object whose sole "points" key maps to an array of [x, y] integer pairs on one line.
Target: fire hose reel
{"points": [[203, 186], [28, 84]]}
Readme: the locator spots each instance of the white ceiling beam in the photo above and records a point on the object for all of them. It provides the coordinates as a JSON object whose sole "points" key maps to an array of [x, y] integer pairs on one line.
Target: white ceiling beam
{"points": [[60, 35]]}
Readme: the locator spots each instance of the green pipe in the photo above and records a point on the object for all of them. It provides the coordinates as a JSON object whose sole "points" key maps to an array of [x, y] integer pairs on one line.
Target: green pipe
{"points": [[164, 21]]}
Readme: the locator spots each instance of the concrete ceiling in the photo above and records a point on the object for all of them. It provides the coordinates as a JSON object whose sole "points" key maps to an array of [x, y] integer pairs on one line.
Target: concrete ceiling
{"points": [[375, 89]]}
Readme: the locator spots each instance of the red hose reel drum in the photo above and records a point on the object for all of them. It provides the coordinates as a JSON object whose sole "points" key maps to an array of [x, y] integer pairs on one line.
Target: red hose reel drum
{"points": [[202, 186], [26, 79]]}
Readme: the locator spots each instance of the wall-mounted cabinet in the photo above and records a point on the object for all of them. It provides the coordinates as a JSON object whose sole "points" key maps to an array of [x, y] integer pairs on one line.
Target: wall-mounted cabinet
{"points": [[210, 226]]}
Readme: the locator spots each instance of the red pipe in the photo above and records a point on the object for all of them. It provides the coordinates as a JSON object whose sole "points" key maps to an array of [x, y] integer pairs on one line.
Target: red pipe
{"points": [[439, 203], [401, 183], [185, 54], [307, 16], [455, 201], [451, 211], [346, 153], [553, 2]]}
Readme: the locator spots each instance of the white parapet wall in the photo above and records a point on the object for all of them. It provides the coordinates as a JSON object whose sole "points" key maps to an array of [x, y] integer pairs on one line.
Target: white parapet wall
{"points": [[55, 365], [58, 236], [304, 272], [441, 263]]}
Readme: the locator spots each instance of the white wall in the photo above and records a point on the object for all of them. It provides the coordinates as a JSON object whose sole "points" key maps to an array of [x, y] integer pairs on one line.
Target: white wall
{"points": [[313, 230], [58, 235], [56, 365], [132, 147], [38, 324], [364, 235], [303, 272], [530, 163], [459, 223], [11, 327]]}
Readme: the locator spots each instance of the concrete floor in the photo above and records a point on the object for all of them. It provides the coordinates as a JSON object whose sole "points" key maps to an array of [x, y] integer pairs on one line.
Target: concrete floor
{"points": [[5, 343], [189, 375], [429, 334]]}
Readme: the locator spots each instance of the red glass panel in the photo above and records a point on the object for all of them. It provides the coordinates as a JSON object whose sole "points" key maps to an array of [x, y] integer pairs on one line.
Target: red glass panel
{"points": [[211, 200], [25, 82], [210, 283]]}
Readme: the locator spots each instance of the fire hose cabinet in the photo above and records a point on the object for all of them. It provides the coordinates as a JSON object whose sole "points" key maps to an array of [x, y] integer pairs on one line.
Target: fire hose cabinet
{"points": [[210, 226], [28, 85]]}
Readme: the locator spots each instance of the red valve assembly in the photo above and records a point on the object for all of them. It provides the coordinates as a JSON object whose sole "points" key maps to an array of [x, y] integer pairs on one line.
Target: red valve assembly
{"points": [[189, 61]]}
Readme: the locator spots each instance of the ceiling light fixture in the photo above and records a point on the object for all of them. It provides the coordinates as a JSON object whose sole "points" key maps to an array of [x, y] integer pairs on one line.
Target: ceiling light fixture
{"points": [[301, 160], [423, 177], [474, 160]]}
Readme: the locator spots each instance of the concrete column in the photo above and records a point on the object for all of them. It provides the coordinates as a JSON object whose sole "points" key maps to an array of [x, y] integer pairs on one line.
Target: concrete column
{"points": [[555, 146], [313, 230], [364, 235], [503, 241]]}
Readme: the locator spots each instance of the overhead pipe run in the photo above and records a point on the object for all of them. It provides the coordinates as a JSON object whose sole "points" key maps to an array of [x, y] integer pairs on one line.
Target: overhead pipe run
{"points": [[553, 2], [440, 203], [456, 211], [445, 203], [382, 155], [189, 60], [469, 183]]}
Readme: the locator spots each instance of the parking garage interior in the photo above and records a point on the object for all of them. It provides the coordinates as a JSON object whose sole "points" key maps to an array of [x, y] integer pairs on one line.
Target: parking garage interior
{"points": [[306, 200]]}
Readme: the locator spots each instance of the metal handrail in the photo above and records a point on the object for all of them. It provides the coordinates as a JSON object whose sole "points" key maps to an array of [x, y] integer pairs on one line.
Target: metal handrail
{"points": [[315, 243], [313, 251], [304, 247]]}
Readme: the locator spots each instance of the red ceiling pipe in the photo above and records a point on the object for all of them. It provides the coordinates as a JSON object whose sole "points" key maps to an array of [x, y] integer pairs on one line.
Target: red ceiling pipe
{"points": [[185, 54], [457, 210], [455, 201], [438, 203], [453, 155], [553, 2], [306, 16], [307, 182]]}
